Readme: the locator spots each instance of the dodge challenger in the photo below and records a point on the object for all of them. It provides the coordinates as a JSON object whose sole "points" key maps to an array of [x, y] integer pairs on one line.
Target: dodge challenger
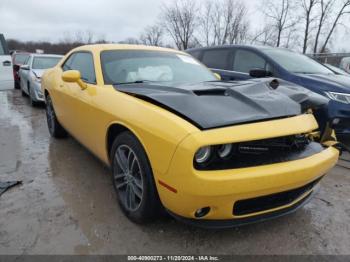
{"points": [[211, 153]]}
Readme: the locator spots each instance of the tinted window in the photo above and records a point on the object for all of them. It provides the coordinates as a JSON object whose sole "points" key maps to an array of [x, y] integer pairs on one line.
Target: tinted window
{"points": [[245, 60], [45, 62], [84, 63], [195, 54], [216, 58], [125, 66]]}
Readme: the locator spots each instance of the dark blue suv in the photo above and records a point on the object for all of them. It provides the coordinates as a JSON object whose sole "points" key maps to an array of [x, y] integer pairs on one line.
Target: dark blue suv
{"points": [[236, 62]]}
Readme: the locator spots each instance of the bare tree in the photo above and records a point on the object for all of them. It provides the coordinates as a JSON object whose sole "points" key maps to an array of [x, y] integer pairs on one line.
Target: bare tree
{"points": [[279, 15], [307, 8], [130, 41], [180, 20], [205, 24], [224, 22], [264, 36], [152, 35], [342, 11], [325, 9]]}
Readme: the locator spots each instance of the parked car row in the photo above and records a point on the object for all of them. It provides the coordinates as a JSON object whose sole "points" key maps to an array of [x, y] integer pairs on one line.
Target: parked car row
{"points": [[246, 62], [24, 70], [30, 73]]}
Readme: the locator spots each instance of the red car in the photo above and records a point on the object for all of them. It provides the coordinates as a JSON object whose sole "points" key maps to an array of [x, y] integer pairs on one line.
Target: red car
{"points": [[18, 59]]}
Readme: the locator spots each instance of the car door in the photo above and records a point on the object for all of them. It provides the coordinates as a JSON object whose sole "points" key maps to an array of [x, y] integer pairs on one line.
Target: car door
{"points": [[6, 70], [245, 60], [24, 74], [77, 101]]}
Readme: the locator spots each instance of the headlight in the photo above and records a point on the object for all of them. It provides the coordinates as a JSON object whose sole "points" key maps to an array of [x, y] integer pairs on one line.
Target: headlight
{"points": [[36, 79], [340, 97], [203, 154], [224, 150]]}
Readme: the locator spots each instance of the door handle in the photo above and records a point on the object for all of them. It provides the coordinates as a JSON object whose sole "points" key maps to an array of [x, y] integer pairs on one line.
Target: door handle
{"points": [[6, 63]]}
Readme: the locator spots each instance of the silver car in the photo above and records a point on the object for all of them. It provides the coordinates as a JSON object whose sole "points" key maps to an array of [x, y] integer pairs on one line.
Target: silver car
{"points": [[30, 74]]}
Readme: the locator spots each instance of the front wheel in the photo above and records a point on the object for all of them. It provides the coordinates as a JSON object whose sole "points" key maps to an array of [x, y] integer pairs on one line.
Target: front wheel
{"points": [[133, 179], [55, 128]]}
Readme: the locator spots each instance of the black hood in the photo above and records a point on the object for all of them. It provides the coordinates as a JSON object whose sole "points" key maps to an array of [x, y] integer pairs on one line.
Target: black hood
{"points": [[217, 104]]}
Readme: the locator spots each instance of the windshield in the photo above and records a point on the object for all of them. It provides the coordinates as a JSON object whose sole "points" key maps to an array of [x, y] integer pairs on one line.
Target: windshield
{"points": [[20, 58], [296, 63], [45, 62], [336, 69], [125, 66]]}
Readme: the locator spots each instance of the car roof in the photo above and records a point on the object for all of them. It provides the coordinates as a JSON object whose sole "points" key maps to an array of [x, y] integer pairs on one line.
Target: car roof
{"points": [[45, 55], [105, 47], [252, 47]]}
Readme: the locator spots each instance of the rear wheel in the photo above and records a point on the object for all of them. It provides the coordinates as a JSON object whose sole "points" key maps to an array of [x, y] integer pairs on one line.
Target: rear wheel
{"points": [[55, 128], [133, 179]]}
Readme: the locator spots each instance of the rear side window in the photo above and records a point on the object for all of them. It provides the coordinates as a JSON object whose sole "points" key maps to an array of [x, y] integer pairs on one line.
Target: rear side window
{"points": [[245, 60], [216, 58], [84, 63]]}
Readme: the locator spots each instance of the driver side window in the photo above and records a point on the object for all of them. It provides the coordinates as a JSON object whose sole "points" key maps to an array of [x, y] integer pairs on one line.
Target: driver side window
{"points": [[84, 63], [245, 60]]}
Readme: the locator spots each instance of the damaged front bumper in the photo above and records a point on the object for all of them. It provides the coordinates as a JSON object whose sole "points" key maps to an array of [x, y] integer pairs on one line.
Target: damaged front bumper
{"points": [[240, 195]]}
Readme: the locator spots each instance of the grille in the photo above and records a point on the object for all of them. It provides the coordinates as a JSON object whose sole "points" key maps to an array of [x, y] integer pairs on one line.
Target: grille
{"points": [[253, 205], [264, 152]]}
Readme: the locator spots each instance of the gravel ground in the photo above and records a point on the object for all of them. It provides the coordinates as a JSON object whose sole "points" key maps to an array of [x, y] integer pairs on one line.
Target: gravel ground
{"points": [[66, 204]]}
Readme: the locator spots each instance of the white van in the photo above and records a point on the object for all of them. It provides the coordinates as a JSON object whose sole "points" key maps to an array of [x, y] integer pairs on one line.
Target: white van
{"points": [[345, 64], [6, 70]]}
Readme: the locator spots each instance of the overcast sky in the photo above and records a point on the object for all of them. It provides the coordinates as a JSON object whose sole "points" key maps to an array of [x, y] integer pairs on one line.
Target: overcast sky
{"points": [[114, 20]]}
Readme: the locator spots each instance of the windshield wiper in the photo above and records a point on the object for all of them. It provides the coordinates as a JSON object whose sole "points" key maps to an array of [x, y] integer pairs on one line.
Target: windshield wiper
{"points": [[132, 82]]}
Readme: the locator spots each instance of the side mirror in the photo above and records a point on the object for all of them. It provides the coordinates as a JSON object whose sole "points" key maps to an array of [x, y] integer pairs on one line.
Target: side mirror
{"points": [[73, 76], [24, 67], [259, 73], [217, 76]]}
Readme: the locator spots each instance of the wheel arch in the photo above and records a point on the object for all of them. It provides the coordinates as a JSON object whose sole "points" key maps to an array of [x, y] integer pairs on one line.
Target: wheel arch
{"points": [[116, 128]]}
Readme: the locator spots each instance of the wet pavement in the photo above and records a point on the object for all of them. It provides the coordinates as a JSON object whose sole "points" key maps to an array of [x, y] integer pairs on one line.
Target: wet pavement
{"points": [[67, 205]]}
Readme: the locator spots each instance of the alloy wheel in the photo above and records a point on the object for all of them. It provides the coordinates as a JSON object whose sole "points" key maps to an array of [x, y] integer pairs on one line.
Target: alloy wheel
{"points": [[128, 177]]}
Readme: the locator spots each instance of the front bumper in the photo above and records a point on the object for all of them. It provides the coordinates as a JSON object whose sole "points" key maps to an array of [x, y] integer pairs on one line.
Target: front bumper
{"points": [[221, 190], [38, 96], [229, 223], [340, 113]]}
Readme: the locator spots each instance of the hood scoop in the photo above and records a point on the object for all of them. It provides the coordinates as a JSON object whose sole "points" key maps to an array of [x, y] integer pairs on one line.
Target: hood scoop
{"points": [[211, 92]]}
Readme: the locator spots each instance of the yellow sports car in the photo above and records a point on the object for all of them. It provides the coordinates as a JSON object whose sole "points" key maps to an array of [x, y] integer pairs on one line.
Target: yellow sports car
{"points": [[212, 153]]}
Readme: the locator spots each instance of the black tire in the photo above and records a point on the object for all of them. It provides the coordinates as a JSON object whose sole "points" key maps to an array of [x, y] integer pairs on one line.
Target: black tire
{"points": [[33, 103], [148, 206], [55, 128], [17, 85]]}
